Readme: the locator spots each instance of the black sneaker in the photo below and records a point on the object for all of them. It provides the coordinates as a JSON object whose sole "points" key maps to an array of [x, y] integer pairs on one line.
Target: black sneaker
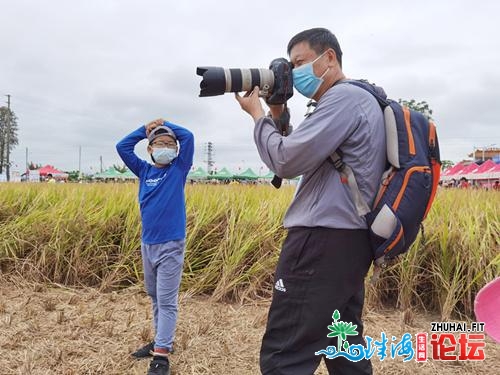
{"points": [[159, 366], [145, 351]]}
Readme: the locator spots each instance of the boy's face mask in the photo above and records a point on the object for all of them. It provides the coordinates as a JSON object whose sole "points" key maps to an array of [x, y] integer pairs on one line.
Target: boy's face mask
{"points": [[163, 155], [304, 79]]}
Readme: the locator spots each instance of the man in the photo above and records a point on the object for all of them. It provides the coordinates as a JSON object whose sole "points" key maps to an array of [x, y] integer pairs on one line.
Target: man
{"points": [[163, 215], [464, 183], [51, 179], [326, 254]]}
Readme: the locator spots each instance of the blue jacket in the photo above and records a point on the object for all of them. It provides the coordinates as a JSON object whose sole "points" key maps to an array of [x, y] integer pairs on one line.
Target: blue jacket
{"points": [[161, 190]]}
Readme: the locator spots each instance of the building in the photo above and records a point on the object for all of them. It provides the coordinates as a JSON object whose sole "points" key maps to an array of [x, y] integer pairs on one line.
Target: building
{"points": [[486, 153]]}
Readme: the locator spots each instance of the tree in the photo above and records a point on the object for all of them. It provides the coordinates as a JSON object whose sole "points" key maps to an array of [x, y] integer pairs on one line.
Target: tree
{"points": [[73, 175], [446, 163], [422, 107], [34, 166], [8, 135]]}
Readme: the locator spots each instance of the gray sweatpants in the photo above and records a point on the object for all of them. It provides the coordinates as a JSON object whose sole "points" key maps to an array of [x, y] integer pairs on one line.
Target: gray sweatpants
{"points": [[162, 276]]}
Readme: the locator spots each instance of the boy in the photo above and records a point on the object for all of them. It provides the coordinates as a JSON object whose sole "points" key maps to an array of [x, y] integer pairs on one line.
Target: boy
{"points": [[163, 216]]}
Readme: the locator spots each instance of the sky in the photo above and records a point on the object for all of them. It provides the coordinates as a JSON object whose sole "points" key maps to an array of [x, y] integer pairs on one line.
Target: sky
{"points": [[83, 74]]}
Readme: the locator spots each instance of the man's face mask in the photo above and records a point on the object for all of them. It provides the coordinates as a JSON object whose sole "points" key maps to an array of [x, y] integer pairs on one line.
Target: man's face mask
{"points": [[163, 155], [304, 79]]}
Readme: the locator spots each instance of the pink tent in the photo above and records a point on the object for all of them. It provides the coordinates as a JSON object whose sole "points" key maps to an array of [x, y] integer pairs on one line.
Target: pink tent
{"points": [[469, 169], [487, 172], [49, 169], [486, 166], [494, 173], [453, 172]]}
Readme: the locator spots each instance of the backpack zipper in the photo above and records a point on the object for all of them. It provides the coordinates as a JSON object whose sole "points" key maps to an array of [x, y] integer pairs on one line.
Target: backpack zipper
{"points": [[385, 184], [408, 174], [411, 142]]}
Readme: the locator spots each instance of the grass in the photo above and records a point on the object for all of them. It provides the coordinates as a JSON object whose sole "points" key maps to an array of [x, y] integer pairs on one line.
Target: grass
{"points": [[90, 235]]}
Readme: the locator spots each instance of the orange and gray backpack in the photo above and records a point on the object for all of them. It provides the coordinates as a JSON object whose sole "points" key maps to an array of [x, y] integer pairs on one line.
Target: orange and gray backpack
{"points": [[409, 184]]}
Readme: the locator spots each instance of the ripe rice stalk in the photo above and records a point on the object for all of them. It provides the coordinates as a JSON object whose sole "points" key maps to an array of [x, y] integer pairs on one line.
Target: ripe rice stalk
{"points": [[90, 235]]}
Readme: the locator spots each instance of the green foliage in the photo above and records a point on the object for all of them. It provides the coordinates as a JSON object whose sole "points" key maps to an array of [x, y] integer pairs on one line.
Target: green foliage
{"points": [[422, 107], [73, 176], [446, 164], [33, 166], [8, 134]]}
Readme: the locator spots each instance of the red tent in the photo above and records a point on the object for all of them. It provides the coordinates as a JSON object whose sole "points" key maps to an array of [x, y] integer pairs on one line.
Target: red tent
{"points": [[485, 167], [452, 172], [471, 168], [486, 171], [494, 172], [49, 169]]}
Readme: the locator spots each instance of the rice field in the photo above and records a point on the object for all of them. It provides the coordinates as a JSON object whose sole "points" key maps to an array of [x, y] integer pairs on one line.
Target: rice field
{"points": [[89, 235], [72, 302]]}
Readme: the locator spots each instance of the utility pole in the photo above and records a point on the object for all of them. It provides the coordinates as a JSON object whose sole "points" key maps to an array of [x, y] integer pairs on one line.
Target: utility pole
{"points": [[209, 150], [27, 166], [7, 167], [100, 158], [79, 161]]}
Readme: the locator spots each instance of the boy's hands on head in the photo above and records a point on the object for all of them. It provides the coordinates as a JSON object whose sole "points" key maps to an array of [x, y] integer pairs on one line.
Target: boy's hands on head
{"points": [[153, 124]]}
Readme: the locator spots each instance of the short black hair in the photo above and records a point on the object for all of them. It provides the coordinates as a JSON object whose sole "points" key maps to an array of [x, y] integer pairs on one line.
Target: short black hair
{"points": [[320, 39]]}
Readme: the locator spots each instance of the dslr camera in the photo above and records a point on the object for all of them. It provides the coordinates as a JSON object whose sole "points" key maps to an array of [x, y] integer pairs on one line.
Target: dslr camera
{"points": [[275, 83]]}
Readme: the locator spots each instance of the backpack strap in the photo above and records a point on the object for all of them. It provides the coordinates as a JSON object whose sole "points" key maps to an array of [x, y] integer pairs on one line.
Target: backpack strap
{"points": [[348, 175], [345, 171]]}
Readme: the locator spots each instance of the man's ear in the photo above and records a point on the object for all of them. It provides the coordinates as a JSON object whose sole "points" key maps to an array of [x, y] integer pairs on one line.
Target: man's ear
{"points": [[332, 57]]}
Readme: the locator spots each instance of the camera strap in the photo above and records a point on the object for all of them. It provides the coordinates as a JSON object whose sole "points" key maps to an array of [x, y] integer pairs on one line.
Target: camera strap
{"points": [[282, 124]]}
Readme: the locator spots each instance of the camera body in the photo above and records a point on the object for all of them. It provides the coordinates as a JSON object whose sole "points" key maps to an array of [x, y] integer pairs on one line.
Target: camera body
{"points": [[275, 83], [283, 81]]}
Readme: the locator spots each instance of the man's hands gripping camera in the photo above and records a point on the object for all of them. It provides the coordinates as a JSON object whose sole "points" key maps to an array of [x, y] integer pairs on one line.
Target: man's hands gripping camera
{"points": [[251, 104]]}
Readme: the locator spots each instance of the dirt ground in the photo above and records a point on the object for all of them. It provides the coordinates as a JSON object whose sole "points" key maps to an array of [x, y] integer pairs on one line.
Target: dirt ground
{"points": [[57, 330]]}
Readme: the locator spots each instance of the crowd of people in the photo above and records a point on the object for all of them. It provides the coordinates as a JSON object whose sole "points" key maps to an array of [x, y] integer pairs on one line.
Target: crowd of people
{"points": [[464, 183]]}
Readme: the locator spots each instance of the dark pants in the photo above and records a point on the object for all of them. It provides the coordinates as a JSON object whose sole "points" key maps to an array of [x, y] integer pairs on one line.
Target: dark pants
{"points": [[320, 270]]}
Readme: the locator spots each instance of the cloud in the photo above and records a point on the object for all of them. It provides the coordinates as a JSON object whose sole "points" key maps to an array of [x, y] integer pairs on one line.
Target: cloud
{"points": [[85, 74]]}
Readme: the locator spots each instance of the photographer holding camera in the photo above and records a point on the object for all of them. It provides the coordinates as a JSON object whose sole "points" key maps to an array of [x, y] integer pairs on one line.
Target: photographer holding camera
{"points": [[326, 254]]}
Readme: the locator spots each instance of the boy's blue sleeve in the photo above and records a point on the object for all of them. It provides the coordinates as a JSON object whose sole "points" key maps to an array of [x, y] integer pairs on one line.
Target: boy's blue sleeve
{"points": [[126, 147], [186, 143]]}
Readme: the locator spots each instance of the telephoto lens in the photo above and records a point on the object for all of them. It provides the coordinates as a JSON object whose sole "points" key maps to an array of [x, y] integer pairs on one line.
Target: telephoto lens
{"points": [[217, 81]]}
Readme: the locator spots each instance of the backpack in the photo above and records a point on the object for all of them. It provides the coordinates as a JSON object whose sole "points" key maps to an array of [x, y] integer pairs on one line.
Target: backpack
{"points": [[409, 184]]}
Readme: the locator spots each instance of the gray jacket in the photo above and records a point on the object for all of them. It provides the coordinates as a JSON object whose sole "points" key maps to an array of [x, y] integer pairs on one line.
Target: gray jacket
{"points": [[346, 118]]}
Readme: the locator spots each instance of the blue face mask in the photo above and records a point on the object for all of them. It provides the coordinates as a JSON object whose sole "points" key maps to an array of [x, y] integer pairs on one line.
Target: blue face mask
{"points": [[304, 79], [163, 155]]}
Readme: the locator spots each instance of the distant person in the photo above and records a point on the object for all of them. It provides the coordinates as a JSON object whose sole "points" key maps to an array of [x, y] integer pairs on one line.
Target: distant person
{"points": [[163, 216], [51, 179], [496, 185], [464, 183]]}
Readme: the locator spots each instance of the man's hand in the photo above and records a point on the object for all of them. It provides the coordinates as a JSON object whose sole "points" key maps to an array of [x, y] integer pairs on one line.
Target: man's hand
{"points": [[251, 103], [153, 124], [276, 110]]}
